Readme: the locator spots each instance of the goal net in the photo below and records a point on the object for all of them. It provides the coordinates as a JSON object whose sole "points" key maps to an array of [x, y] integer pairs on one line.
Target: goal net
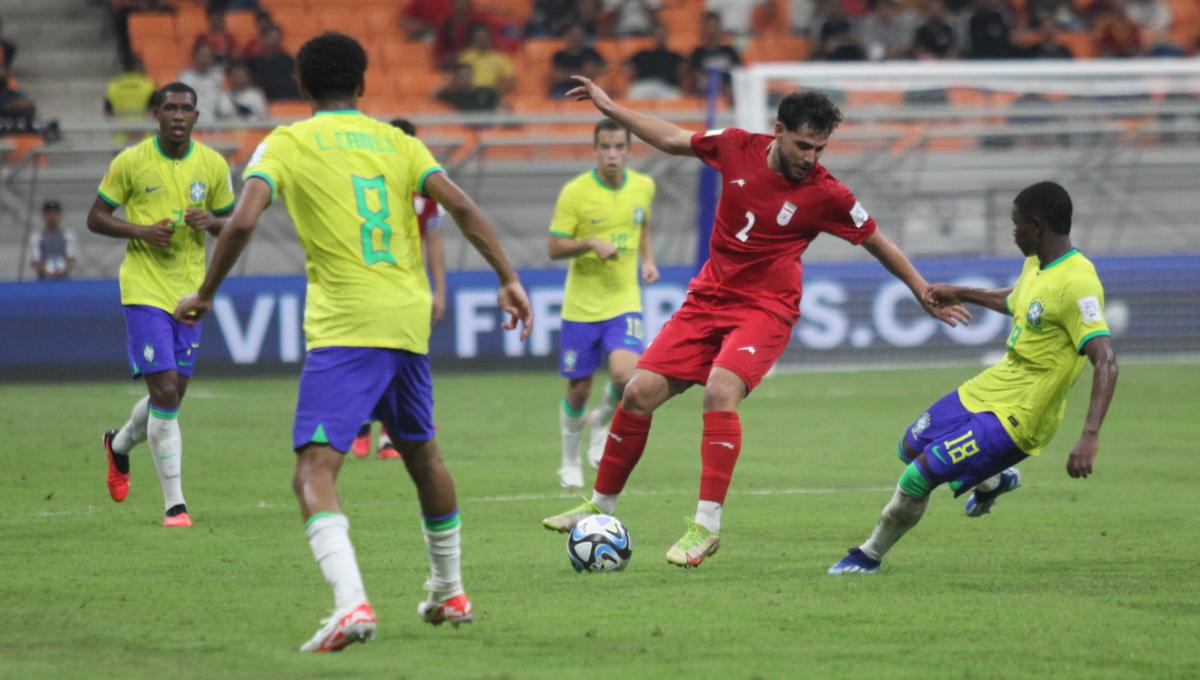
{"points": [[937, 151]]}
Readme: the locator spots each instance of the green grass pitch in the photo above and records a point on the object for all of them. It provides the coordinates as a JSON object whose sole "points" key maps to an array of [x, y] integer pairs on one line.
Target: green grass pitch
{"points": [[1065, 578]]}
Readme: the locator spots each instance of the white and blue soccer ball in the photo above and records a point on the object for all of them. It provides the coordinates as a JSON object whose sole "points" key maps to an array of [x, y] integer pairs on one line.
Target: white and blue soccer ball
{"points": [[599, 543]]}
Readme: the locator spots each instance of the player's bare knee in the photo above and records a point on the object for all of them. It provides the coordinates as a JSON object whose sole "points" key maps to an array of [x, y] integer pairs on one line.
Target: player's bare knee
{"points": [[578, 391], [163, 394], [719, 396], [637, 399]]}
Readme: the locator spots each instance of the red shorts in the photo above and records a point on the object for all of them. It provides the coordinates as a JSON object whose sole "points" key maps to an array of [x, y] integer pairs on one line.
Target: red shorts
{"points": [[705, 333]]}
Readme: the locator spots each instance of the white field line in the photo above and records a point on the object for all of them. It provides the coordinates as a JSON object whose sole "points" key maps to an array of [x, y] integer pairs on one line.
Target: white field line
{"points": [[514, 498]]}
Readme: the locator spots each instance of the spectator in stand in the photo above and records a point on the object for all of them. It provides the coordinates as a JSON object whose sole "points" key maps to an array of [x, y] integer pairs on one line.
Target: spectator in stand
{"points": [[631, 17], [491, 67], [1061, 12], [245, 100], [712, 53], [262, 22], [10, 50], [838, 40], [934, 38], [737, 15], [273, 70], [577, 58], [206, 79], [990, 31], [420, 19], [1153, 18], [461, 92], [453, 35], [128, 95], [553, 18], [217, 37], [887, 31], [656, 72], [1048, 45], [1116, 35], [52, 249]]}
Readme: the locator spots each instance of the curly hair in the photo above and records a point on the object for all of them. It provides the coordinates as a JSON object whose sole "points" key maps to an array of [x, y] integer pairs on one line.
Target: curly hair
{"points": [[331, 66], [811, 109], [1048, 202]]}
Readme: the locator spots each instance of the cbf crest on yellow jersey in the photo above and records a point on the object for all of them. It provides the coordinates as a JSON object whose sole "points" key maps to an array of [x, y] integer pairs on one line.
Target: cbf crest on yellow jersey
{"points": [[348, 182], [153, 186], [1056, 310], [597, 289]]}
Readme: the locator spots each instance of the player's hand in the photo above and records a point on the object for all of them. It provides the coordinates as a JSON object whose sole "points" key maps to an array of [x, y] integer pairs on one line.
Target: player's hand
{"points": [[605, 250], [1083, 456], [949, 314], [157, 234], [649, 272], [515, 303], [942, 294], [439, 307], [191, 308], [197, 218], [589, 90]]}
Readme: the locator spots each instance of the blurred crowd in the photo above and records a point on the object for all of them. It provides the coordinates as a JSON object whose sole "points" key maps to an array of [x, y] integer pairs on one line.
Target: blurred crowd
{"points": [[477, 49]]}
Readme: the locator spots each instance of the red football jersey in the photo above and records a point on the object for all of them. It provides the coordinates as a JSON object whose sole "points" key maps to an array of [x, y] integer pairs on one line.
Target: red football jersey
{"points": [[765, 222], [429, 213]]}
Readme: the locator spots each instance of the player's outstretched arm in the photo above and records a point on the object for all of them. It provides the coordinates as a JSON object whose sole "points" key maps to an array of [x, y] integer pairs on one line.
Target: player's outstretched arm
{"points": [[657, 133], [995, 299], [102, 220], [896, 262], [475, 226], [235, 234], [1103, 356]]}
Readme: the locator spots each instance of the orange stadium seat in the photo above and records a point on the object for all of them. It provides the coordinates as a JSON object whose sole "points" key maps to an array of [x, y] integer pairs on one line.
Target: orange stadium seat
{"points": [[539, 52], [241, 24], [776, 48], [189, 23], [514, 11], [382, 23], [396, 53], [298, 27], [152, 24], [164, 58], [289, 109], [416, 82], [276, 5], [631, 46], [346, 21]]}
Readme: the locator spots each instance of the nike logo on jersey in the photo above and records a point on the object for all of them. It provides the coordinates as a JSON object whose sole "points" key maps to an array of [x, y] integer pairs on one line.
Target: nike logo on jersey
{"points": [[728, 445], [748, 348], [618, 438], [739, 182], [152, 189]]}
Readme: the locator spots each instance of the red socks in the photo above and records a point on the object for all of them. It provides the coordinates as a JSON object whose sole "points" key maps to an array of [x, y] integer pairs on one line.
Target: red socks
{"points": [[626, 441], [719, 449]]}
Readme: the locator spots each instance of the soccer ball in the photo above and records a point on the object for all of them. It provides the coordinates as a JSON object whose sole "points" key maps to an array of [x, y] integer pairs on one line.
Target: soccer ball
{"points": [[599, 543]]}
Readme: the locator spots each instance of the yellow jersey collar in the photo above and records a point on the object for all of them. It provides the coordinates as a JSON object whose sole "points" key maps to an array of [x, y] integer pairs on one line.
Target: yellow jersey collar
{"points": [[159, 149], [1060, 258]]}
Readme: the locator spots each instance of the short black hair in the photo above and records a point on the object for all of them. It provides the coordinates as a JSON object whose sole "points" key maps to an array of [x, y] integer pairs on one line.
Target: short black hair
{"points": [[405, 125], [811, 109], [612, 126], [1048, 202], [161, 95], [331, 66]]}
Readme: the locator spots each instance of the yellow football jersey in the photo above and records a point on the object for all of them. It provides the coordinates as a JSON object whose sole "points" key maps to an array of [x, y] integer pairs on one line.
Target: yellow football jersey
{"points": [[1056, 309], [348, 181], [597, 289], [154, 187]]}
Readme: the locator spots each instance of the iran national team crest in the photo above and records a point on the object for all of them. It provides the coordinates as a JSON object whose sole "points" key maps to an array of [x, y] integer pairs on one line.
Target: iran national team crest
{"points": [[1034, 315], [148, 353], [196, 192], [785, 213]]}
